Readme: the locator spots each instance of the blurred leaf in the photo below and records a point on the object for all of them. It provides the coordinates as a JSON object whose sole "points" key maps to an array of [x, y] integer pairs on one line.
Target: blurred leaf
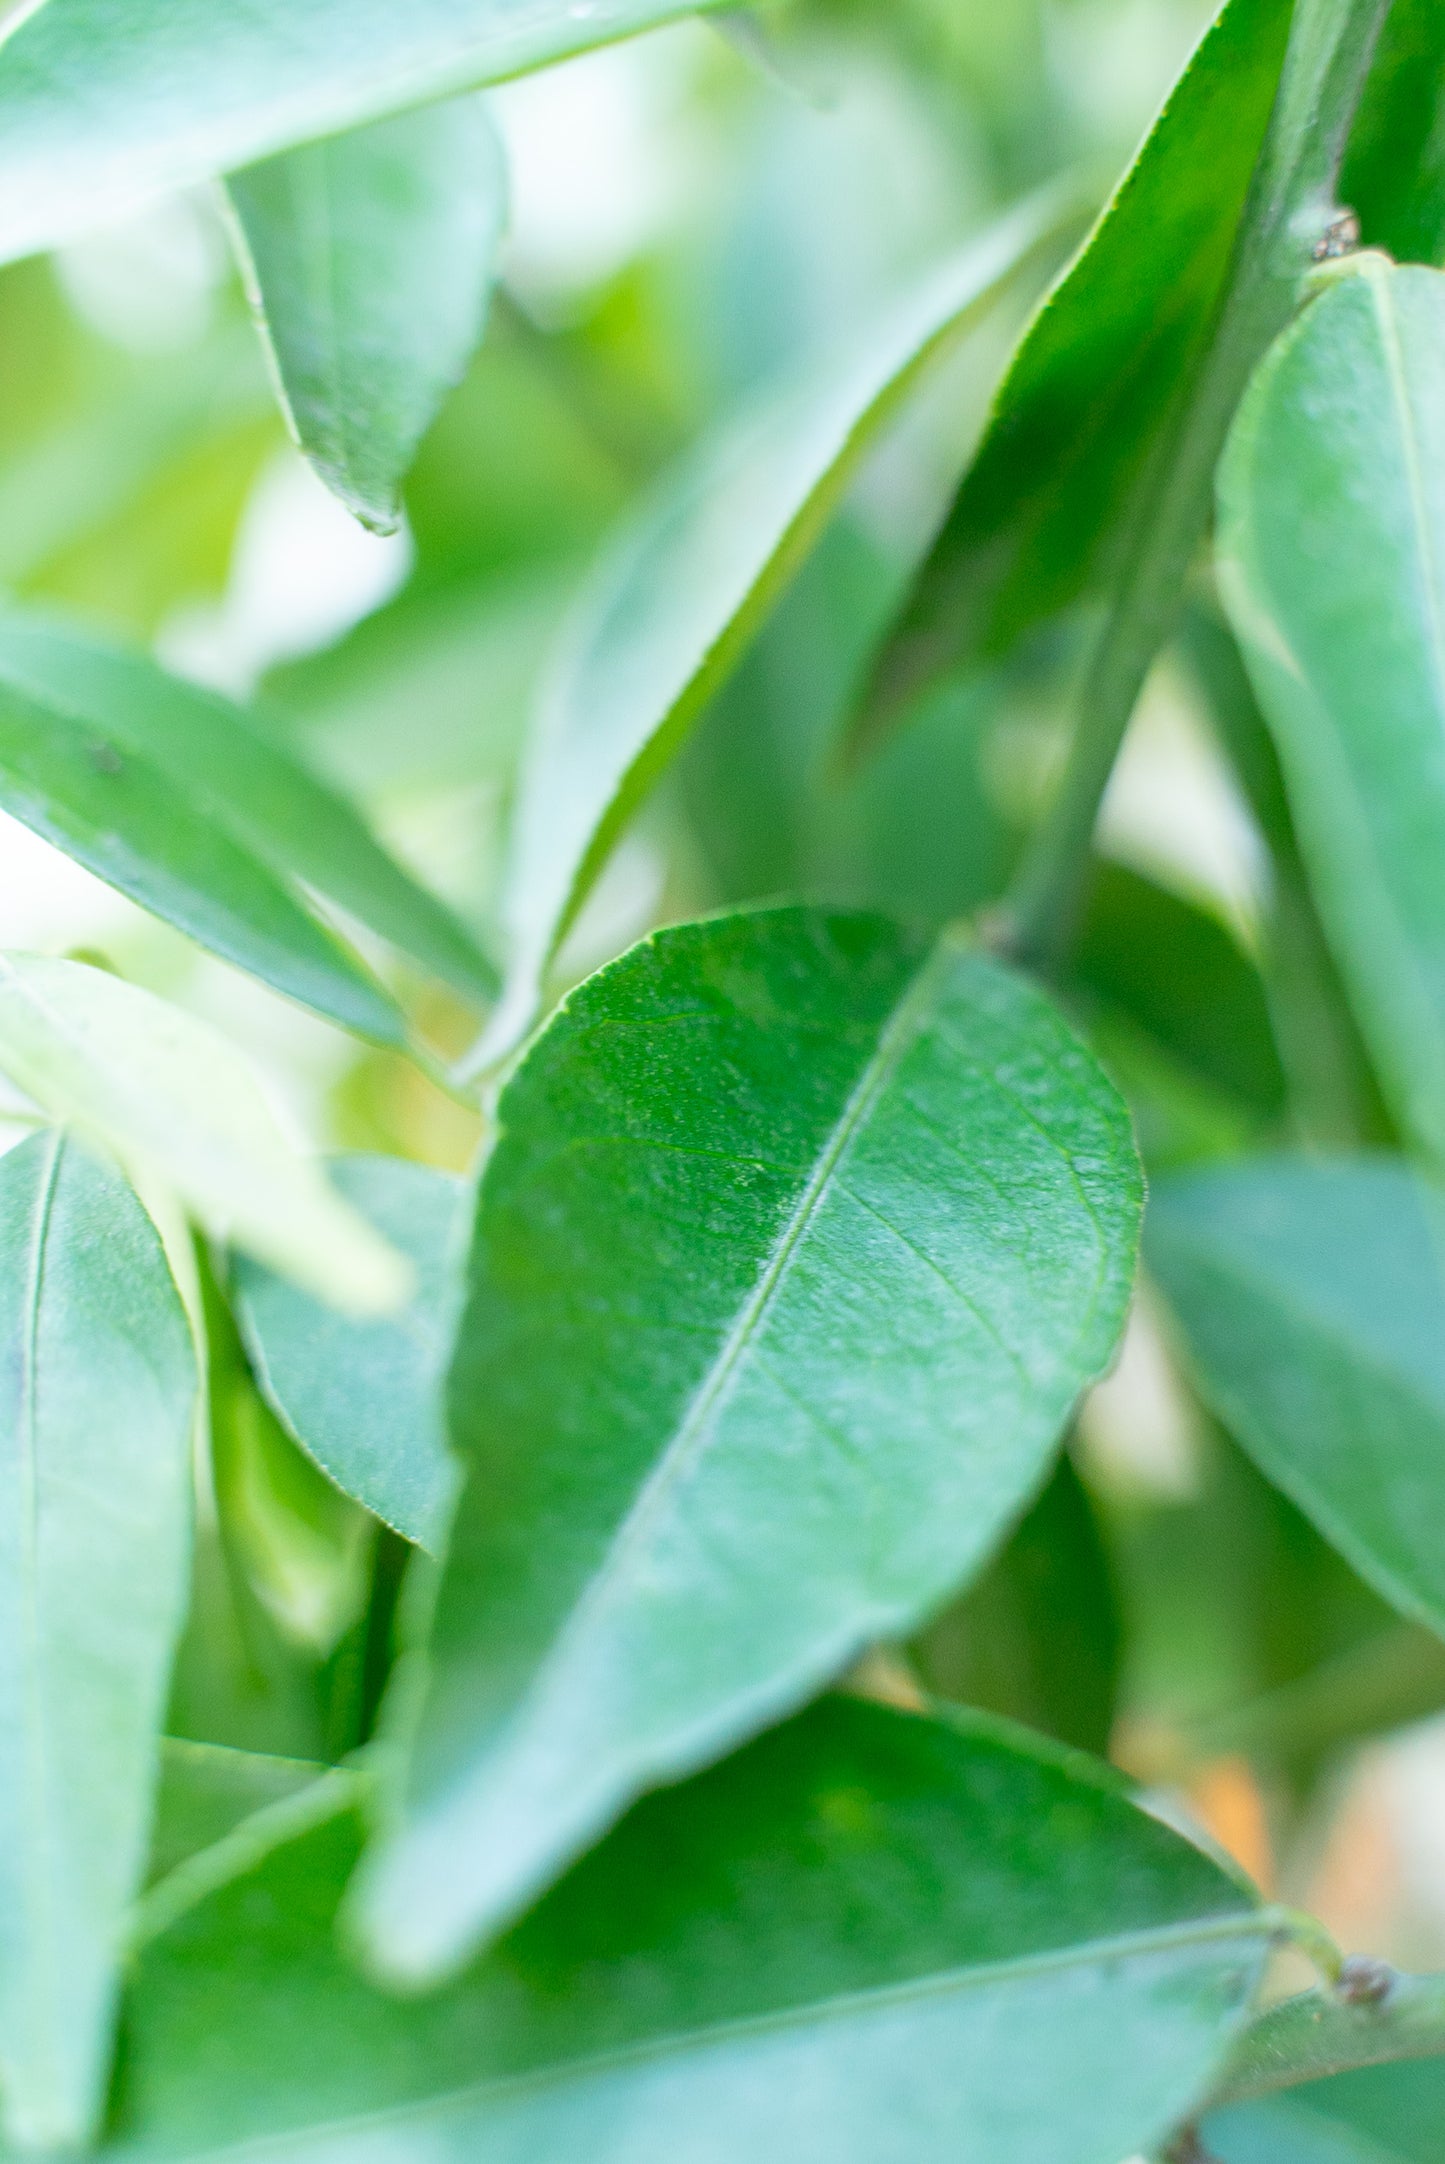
{"points": [[365, 1398], [861, 1938], [95, 1451], [1312, 1298], [1394, 176], [105, 103], [1332, 538], [168, 1092], [207, 1792], [236, 781], [1381, 2115], [677, 598], [370, 259], [1091, 387], [827, 1231], [1037, 1639]]}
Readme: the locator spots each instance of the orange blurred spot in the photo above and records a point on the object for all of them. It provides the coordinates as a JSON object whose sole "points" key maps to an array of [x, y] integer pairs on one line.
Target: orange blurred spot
{"points": [[1224, 1796]]}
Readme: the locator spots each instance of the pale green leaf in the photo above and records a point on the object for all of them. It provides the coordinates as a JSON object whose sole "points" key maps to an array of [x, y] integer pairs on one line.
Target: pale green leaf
{"points": [[1381, 2115], [369, 259], [1312, 1300], [99, 1388], [798, 1242], [1332, 559], [673, 603], [104, 103], [365, 1397], [169, 1094], [867, 1940]]}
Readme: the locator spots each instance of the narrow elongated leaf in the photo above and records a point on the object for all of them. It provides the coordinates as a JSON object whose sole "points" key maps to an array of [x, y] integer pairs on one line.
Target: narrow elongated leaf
{"points": [[1382, 2115], [365, 1398], [798, 1243], [868, 1940], [369, 258], [1312, 1298], [207, 1792], [120, 817], [236, 780], [106, 102], [1092, 383], [170, 1096], [1332, 543], [674, 602], [1394, 175], [95, 1434]]}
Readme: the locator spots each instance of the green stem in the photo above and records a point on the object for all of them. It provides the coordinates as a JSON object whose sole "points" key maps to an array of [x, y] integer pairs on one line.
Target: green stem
{"points": [[1374, 2017], [1290, 206]]}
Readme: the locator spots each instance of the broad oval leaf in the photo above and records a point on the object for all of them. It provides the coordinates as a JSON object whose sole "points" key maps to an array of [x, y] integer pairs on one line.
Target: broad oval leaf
{"points": [[867, 1940], [1312, 1300], [234, 780], [175, 1101], [798, 1242], [104, 103], [1332, 543], [1380, 2115], [96, 1415], [369, 259], [365, 1397], [1093, 380], [672, 605]]}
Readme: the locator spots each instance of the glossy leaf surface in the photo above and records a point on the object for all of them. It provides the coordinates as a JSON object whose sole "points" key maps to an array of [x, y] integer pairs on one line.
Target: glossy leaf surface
{"points": [[1382, 2115], [674, 602], [369, 259], [365, 1397], [175, 1101], [1332, 543], [798, 1243], [1091, 385], [95, 1438], [858, 1942], [1312, 1299], [234, 781], [106, 102]]}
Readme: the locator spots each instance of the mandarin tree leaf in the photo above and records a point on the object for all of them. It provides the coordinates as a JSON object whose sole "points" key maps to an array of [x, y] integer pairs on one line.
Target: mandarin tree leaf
{"points": [[365, 1397], [1332, 541], [868, 1938], [674, 602], [369, 258], [1394, 175], [172, 1098], [1312, 1300], [234, 778], [1380, 2115], [1093, 381], [825, 1230], [104, 103], [95, 1440]]}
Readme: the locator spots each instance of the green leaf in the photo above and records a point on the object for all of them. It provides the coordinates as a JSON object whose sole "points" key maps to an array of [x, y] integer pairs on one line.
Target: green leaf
{"points": [[176, 1102], [365, 1398], [1092, 385], [95, 1441], [104, 103], [1332, 540], [1381, 2115], [369, 259], [867, 1940], [824, 1231], [236, 784], [1394, 176], [675, 601], [1312, 1302]]}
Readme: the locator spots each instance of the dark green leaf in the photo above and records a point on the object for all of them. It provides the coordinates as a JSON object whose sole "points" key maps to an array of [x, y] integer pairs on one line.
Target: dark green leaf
{"points": [[370, 259], [1383, 2115], [675, 602], [1312, 1301], [96, 1426], [1394, 176], [232, 781], [1332, 541], [365, 1398], [867, 1940], [106, 102], [824, 1232], [1091, 386]]}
